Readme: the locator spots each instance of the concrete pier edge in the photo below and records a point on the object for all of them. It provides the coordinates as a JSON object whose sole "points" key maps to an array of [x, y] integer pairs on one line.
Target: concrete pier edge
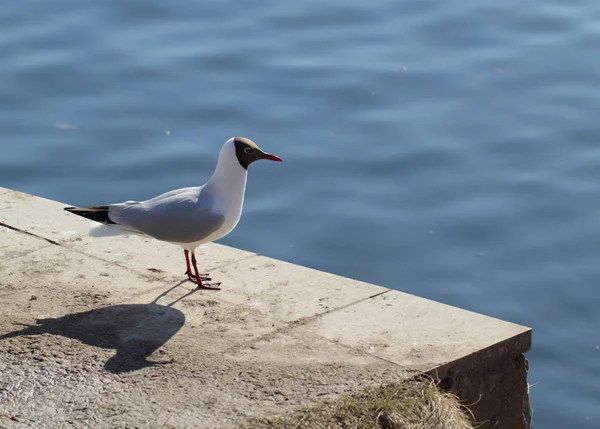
{"points": [[112, 313]]}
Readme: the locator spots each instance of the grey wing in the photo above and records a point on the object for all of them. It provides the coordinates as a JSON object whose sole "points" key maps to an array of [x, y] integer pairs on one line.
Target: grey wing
{"points": [[190, 191], [175, 218]]}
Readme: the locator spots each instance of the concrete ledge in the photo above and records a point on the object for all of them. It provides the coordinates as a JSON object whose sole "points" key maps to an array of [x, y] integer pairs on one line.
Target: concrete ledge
{"points": [[105, 332]]}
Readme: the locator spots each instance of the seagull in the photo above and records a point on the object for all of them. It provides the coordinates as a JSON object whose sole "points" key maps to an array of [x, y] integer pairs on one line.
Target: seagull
{"points": [[187, 217]]}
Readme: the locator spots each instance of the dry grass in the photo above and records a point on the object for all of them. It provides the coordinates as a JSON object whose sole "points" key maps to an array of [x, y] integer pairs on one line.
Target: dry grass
{"points": [[410, 405]]}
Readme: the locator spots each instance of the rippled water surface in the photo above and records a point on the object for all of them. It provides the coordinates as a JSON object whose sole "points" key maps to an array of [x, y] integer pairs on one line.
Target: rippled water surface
{"points": [[446, 149]]}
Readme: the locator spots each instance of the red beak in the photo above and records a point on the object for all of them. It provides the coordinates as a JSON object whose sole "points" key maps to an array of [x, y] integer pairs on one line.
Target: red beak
{"points": [[272, 157]]}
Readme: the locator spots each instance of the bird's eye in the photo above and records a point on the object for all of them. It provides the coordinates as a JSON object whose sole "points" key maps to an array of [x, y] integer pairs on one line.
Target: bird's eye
{"points": [[248, 150]]}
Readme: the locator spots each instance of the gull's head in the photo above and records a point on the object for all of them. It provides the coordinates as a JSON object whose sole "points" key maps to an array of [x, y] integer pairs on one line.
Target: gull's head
{"points": [[246, 151]]}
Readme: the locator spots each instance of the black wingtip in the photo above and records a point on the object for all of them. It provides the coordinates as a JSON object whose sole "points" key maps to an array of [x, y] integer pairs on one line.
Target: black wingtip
{"points": [[97, 213]]}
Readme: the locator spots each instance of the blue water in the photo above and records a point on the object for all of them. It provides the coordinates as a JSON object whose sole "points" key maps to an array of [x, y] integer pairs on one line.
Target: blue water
{"points": [[446, 149]]}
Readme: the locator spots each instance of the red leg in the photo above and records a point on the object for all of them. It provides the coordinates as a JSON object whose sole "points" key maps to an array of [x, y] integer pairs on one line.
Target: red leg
{"points": [[199, 279], [187, 263], [189, 273]]}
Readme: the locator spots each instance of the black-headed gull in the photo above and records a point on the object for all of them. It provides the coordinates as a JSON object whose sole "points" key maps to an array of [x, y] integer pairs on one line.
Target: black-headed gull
{"points": [[187, 217]]}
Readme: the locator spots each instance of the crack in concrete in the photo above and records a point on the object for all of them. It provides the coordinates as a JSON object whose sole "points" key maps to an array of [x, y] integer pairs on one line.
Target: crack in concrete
{"points": [[303, 321], [14, 228]]}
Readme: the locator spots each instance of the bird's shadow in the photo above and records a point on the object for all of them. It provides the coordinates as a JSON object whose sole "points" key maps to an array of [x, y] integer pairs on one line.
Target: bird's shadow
{"points": [[135, 331]]}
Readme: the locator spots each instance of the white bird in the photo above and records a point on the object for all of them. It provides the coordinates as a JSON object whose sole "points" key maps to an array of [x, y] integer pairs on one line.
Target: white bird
{"points": [[190, 216]]}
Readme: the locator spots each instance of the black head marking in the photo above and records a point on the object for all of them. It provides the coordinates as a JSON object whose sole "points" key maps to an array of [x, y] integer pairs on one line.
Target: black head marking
{"points": [[247, 151]]}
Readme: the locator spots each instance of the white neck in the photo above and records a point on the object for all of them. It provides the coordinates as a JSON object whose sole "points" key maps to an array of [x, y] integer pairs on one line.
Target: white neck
{"points": [[228, 183]]}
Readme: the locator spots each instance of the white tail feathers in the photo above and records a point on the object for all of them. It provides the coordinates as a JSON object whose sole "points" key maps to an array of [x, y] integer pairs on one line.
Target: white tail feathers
{"points": [[100, 230]]}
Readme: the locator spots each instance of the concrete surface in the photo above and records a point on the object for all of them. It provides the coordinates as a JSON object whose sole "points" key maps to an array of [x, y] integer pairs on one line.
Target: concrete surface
{"points": [[106, 333]]}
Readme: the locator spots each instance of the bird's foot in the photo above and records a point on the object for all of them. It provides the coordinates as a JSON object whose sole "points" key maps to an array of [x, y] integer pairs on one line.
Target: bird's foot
{"points": [[209, 286], [203, 283], [203, 277]]}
